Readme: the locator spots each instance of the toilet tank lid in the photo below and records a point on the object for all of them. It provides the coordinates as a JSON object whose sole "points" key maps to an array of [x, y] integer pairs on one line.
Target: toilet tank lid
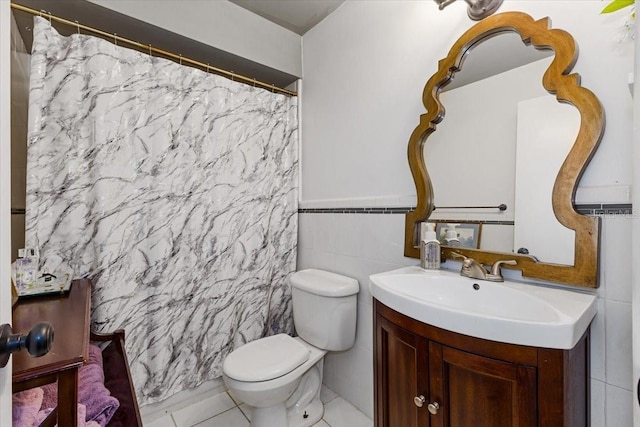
{"points": [[324, 283], [265, 359]]}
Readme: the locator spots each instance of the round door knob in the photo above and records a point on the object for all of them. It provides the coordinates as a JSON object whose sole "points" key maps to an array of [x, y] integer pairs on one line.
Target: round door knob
{"points": [[419, 401], [37, 342], [433, 408]]}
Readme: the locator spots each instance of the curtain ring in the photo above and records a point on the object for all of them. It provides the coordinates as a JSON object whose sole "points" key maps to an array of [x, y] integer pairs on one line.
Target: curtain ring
{"points": [[115, 39], [42, 10], [233, 75], [273, 88], [77, 26], [207, 68], [180, 59], [49, 18], [150, 50], [254, 82]]}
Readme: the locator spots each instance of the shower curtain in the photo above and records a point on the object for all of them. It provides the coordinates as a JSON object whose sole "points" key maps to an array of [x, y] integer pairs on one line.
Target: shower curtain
{"points": [[173, 190]]}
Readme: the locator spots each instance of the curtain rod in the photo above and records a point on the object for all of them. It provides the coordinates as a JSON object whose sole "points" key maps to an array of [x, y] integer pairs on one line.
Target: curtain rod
{"points": [[149, 48]]}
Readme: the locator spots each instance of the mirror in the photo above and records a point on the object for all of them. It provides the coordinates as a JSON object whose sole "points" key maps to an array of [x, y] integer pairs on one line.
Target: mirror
{"points": [[539, 195], [521, 156]]}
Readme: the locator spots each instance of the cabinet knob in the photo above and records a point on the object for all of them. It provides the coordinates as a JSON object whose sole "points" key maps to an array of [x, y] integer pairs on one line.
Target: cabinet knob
{"points": [[419, 401], [433, 408]]}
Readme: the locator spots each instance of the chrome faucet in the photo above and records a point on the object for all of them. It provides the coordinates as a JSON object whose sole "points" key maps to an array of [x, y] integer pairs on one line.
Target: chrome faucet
{"points": [[496, 272], [473, 269]]}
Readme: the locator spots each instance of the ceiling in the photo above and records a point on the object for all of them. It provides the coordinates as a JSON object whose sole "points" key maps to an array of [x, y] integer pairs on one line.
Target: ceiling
{"points": [[501, 54], [96, 16], [298, 16]]}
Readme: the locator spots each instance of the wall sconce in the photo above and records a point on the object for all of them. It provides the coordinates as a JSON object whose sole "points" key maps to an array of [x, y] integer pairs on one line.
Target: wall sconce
{"points": [[478, 9]]}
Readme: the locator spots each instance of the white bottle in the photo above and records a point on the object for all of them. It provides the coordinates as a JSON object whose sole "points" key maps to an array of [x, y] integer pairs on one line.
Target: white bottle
{"points": [[451, 237], [430, 248]]}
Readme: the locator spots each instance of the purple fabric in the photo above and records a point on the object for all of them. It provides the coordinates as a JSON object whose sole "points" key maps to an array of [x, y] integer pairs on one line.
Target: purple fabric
{"points": [[100, 405], [82, 414], [95, 355], [95, 396], [50, 399], [26, 405]]}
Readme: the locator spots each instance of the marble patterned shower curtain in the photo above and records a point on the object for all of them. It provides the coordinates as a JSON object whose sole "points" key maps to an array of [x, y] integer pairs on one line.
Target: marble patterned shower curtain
{"points": [[174, 190]]}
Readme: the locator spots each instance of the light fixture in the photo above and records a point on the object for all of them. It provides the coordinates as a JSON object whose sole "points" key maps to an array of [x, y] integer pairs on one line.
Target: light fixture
{"points": [[478, 9]]}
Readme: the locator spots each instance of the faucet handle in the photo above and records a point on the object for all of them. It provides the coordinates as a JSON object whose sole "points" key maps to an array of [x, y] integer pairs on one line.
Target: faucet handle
{"points": [[470, 267], [459, 255], [466, 261], [495, 268]]}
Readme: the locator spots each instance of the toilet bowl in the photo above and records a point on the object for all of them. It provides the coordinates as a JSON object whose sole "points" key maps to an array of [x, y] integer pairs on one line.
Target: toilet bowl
{"points": [[280, 376], [271, 400]]}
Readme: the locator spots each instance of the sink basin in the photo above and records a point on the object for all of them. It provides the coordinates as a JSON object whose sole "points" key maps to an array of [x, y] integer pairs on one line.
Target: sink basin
{"points": [[509, 312]]}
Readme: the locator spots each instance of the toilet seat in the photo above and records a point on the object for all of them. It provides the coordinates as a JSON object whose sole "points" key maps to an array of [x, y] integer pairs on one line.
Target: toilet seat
{"points": [[265, 359]]}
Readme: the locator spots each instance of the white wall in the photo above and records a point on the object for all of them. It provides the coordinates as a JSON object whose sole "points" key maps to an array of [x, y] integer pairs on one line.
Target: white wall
{"points": [[635, 250], [365, 67], [5, 200], [220, 24]]}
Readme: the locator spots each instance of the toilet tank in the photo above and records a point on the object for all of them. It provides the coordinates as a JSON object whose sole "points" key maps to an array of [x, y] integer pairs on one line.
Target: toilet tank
{"points": [[325, 308]]}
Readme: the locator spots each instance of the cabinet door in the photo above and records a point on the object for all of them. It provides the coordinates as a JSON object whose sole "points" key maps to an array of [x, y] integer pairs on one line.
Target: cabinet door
{"points": [[400, 376], [476, 391]]}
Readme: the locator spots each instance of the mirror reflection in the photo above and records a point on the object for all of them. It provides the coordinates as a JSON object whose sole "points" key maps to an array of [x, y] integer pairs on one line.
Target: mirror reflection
{"points": [[531, 166], [502, 142]]}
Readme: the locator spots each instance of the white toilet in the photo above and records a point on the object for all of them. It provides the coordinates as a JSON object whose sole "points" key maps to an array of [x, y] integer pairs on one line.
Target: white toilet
{"points": [[280, 376]]}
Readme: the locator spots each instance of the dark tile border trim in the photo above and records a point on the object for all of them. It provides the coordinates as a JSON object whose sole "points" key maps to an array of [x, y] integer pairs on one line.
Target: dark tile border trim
{"points": [[586, 209], [605, 209]]}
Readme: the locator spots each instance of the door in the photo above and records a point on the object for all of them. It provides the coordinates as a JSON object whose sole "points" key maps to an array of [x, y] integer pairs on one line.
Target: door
{"points": [[5, 200], [475, 391], [401, 377], [635, 240]]}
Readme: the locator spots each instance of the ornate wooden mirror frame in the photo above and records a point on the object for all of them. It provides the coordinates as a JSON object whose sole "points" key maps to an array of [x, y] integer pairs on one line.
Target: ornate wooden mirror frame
{"points": [[566, 87]]}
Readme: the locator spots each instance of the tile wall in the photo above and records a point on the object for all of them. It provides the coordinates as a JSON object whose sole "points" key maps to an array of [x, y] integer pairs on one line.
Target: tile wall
{"points": [[359, 245]]}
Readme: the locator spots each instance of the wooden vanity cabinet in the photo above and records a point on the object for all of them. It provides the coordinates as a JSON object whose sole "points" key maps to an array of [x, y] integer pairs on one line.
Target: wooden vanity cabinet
{"points": [[475, 382]]}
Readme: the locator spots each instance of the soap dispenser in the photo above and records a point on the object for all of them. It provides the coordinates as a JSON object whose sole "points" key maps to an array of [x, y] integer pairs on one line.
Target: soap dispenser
{"points": [[430, 249], [451, 237]]}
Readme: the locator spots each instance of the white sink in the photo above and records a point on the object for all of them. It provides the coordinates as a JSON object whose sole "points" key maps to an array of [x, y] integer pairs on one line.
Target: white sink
{"points": [[508, 311]]}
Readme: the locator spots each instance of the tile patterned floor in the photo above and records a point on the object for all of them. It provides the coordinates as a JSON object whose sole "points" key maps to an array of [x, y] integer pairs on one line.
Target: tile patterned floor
{"points": [[222, 411]]}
